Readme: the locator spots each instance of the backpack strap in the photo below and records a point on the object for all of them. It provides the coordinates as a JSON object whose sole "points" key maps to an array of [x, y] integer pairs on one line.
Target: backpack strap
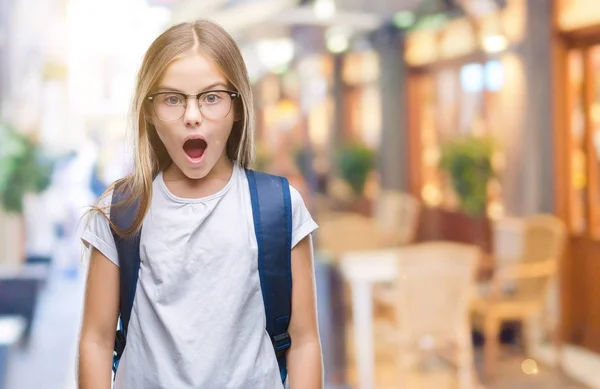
{"points": [[272, 213], [128, 250]]}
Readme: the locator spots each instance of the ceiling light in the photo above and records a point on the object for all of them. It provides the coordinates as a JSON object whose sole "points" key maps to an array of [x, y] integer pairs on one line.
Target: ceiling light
{"points": [[276, 54], [337, 39], [324, 9], [495, 43]]}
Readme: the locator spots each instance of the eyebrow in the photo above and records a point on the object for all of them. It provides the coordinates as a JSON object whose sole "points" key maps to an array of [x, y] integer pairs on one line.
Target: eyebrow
{"points": [[164, 88]]}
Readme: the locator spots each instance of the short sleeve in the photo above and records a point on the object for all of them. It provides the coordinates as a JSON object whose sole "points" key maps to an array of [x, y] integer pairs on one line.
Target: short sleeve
{"points": [[302, 222], [97, 232]]}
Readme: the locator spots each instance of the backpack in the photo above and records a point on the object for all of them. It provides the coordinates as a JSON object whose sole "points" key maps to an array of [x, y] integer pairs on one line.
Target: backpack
{"points": [[272, 214]]}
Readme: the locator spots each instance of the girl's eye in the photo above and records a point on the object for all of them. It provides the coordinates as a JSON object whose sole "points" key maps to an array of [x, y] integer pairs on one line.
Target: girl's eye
{"points": [[173, 100], [212, 98]]}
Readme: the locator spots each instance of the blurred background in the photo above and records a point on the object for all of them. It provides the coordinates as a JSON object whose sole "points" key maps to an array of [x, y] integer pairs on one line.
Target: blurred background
{"points": [[448, 149]]}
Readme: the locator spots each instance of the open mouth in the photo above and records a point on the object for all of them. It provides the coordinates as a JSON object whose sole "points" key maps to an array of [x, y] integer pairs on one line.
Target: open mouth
{"points": [[195, 148]]}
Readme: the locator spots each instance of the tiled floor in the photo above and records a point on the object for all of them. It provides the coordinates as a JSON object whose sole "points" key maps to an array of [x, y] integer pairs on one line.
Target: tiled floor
{"points": [[437, 374], [510, 376], [434, 373]]}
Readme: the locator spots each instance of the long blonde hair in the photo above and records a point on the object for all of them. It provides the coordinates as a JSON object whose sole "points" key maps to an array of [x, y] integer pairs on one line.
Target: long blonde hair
{"points": [[150, 156]]}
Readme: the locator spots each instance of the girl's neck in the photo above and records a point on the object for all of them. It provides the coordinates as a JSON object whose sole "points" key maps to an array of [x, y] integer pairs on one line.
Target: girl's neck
{"points": [[182, 186]]}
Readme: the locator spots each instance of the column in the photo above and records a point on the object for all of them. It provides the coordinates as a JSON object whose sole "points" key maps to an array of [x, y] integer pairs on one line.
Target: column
{"points": [[537, 145], [337, 133], [394, 150]]}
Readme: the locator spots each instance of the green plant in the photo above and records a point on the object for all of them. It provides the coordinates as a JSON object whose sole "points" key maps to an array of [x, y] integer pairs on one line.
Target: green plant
{"points": [[24, 168], [468, 163], [355, 161]]}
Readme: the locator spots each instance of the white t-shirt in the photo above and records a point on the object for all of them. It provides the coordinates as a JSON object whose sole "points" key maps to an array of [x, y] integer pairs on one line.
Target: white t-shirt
{"points": [[198, 318]]}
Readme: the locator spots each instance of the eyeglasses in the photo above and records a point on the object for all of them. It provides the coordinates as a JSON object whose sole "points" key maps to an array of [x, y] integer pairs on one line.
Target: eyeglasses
{"points": [[213, 104]]}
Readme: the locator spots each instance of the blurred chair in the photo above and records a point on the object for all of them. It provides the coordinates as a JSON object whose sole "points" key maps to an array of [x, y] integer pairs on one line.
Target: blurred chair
{"points": [[340, 232], [397, 214], [431, 298], [518, 291], [507, 240], [395, 224]]}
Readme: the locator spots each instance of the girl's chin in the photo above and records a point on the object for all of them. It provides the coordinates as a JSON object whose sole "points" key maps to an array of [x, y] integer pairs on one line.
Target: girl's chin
{"points": [[195, 172]]}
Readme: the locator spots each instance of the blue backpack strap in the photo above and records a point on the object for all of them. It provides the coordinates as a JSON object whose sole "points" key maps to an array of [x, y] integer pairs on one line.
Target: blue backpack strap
{"points": [[272, 213], [128, 250]]}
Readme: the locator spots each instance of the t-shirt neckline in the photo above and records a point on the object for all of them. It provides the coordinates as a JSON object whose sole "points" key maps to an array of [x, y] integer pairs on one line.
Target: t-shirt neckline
{"points": [[178, 199]]}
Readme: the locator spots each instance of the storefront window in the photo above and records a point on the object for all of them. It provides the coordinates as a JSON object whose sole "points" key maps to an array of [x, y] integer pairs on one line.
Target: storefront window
{"points": [[494, 76], [594, 143], [361, 80], [472, 85], [577, 135], [429, 136], [584, 129], [454, 102]]}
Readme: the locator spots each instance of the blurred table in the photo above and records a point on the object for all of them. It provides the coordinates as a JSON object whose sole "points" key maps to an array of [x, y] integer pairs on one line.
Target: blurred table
{"points": [[361, 270]]}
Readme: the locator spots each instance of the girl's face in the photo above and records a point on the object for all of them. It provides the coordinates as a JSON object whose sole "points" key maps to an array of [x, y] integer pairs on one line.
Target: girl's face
{"points": [[194, 131]]}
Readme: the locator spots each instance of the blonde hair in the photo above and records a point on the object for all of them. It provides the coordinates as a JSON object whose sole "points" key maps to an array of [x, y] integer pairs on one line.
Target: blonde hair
{"points": [[150, 155]]}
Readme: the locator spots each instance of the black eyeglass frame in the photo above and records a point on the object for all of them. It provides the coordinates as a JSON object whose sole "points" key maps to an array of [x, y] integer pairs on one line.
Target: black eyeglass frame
{"points": [[234, 95]]}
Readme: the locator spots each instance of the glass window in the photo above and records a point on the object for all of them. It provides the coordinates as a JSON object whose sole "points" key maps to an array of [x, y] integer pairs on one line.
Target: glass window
{"points": [[578, 163], [456, 101]]}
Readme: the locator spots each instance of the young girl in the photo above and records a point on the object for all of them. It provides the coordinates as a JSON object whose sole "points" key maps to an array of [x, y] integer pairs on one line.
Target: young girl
{"points": [[198, 319]]}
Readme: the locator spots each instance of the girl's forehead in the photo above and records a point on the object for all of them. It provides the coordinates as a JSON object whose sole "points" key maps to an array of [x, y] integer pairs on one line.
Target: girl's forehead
{"points": [[192, 73]]}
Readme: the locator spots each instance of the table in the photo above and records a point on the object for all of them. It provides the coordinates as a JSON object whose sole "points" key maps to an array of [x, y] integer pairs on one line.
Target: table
{"points": [[362, 270]]}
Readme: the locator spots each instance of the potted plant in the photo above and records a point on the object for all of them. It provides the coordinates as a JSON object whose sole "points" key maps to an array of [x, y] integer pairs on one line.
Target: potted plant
{"points": [[24, 168], [355, 162], [468, 163]]}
